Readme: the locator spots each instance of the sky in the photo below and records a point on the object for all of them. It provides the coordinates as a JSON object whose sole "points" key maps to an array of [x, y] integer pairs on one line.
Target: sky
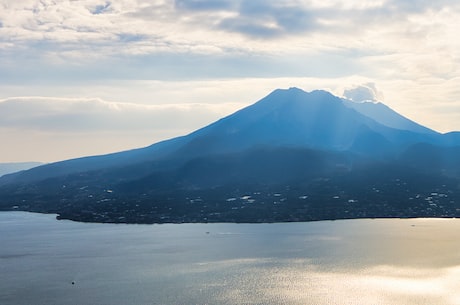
{"points": [[88, 77]]}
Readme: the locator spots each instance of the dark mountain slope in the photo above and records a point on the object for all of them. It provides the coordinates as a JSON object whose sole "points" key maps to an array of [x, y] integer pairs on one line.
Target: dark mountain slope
{"points": [[257, 166], [133, 157], [434, 160]]}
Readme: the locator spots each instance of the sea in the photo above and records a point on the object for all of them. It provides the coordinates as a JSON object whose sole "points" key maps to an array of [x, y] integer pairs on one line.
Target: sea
{"points": [[365, 261]]}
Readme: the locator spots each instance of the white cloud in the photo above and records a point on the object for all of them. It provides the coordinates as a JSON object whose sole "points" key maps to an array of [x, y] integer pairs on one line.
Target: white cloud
{"points": [[94, 115], [158, 39], [50, 129], [362, 93], [162, 26]]}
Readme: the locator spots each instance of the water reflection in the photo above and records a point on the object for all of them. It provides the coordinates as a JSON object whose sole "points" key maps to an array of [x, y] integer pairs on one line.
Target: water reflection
{"points": [[255, 281], [391, 261]]}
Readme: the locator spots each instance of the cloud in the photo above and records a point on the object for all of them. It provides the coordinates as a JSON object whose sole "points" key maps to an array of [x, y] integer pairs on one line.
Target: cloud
{"points": [[81, 34], [50, 129], [62, 115], [205, 5], [362, 93], [264, 19], [417, 6], [95, 23], [101, 9]]}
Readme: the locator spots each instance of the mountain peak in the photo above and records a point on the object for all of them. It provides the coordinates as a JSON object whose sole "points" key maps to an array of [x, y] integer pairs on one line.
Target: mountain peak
{"points": [[294, 96], [297, 91]]}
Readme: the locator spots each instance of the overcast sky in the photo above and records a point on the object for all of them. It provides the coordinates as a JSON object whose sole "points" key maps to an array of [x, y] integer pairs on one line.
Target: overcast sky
{"points": [[84, 77]]}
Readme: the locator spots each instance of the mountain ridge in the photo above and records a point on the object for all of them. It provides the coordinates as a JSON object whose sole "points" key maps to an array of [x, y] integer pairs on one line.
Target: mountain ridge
{"points": [[12, 167], [387, 116]]}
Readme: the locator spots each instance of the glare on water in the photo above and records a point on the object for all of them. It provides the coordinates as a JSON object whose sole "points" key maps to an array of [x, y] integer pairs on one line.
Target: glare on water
{"points": [[387, 261]]}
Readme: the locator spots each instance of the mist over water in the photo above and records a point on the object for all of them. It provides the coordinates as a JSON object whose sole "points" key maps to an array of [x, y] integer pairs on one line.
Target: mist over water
{"points": [[386, 261]]}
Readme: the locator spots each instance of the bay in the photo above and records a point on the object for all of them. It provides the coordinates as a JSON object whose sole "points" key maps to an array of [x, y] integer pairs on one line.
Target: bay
{"points": [[381, 261]]}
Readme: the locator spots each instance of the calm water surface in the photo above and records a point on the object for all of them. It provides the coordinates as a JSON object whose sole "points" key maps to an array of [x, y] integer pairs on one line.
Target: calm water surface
{"points": [[390, 261]]}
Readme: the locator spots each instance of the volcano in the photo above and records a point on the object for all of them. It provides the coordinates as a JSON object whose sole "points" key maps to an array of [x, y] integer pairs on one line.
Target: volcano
{"points": [[292, 156]]}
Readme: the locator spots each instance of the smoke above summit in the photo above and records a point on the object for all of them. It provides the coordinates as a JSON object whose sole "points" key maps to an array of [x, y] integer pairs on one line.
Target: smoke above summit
{"points": [[363, 93]]}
